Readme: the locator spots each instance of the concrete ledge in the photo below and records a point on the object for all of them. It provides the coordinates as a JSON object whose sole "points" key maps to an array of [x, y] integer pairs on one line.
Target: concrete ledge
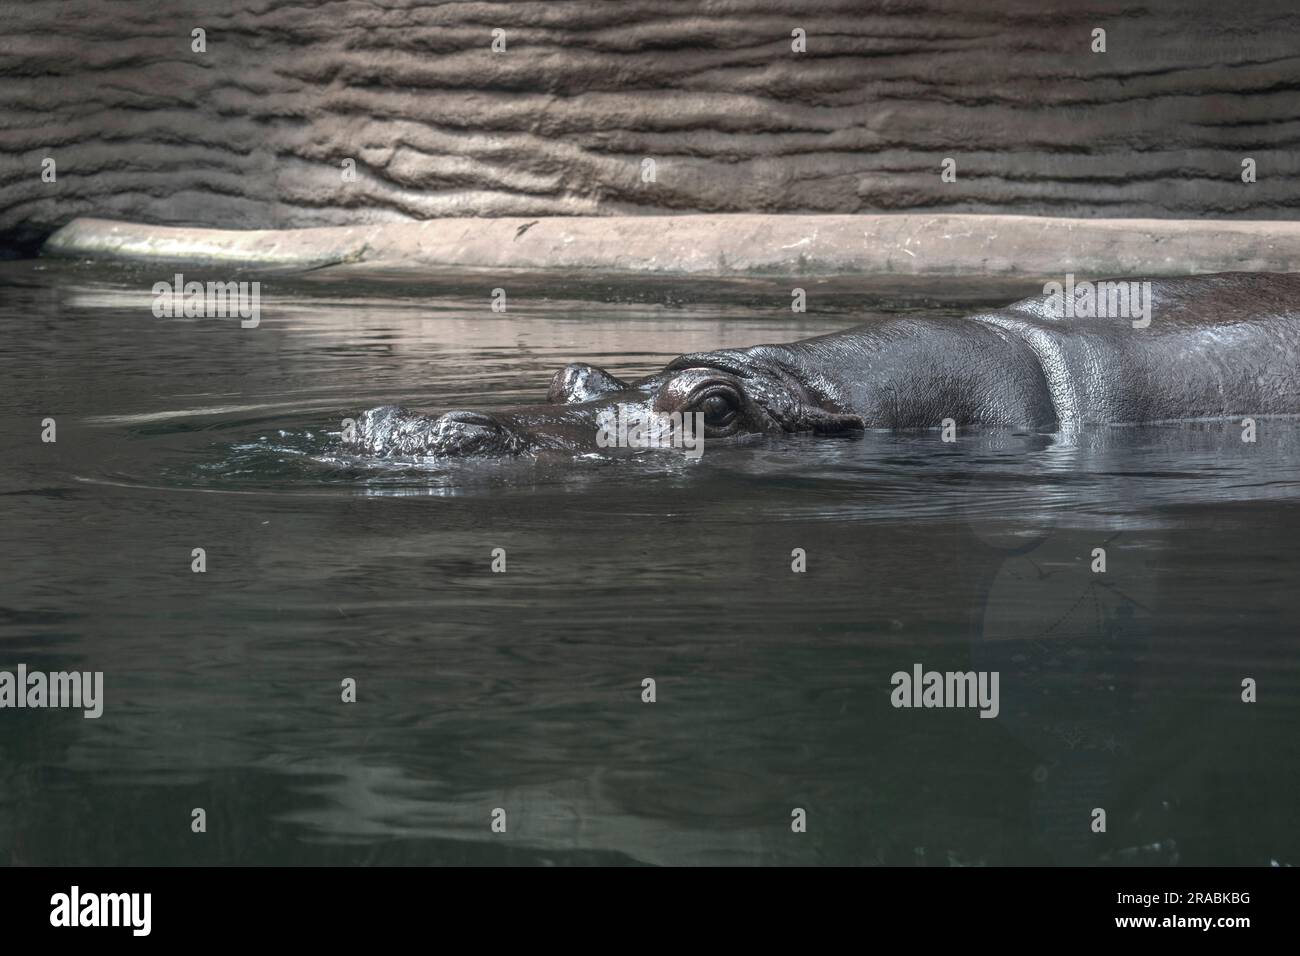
{"points": [[732, 245]]}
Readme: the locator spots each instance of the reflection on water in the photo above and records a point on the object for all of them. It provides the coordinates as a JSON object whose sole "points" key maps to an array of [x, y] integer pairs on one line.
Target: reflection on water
{"points": [[523, 690]]}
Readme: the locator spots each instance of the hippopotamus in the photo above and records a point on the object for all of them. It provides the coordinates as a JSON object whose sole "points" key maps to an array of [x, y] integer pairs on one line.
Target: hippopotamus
{"points": [[1205, 347]]}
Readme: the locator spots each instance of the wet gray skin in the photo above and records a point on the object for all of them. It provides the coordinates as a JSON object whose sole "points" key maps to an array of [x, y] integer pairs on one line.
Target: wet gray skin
{"points": [[1215, 347]]}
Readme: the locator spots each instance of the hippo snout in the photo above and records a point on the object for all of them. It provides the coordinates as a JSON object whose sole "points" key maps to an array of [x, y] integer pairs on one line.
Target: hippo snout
{"points": [[466, 433], [469, 419], [392, 431]]}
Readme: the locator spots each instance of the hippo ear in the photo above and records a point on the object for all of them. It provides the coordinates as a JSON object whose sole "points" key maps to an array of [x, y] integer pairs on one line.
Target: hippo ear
{"points": [[579, 382]]}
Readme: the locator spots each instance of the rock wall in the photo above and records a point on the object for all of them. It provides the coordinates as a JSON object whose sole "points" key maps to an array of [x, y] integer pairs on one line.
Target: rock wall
{"points": [[254, 132]]}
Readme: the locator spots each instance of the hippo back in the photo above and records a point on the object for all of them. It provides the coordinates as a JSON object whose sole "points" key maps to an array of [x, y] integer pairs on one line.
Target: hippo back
{"points": [[1215, 346]]}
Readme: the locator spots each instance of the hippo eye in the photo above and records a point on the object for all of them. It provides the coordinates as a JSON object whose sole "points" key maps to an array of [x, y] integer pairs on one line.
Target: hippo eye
{"points": [[718, 409]]}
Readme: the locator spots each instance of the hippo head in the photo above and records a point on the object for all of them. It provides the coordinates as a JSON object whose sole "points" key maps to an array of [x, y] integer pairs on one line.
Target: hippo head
{"points": [[712, 396]]}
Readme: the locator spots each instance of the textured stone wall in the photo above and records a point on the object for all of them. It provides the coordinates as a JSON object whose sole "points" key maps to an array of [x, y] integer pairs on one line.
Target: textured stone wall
{"points": [[253, 132]]}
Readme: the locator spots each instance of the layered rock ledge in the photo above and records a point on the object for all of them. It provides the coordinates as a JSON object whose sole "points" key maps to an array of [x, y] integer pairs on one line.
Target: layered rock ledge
{"points": [[728, 245]]}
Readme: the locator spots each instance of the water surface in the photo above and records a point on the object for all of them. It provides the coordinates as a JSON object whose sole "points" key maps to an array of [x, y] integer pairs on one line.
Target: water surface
{"points": [[523, 690]]}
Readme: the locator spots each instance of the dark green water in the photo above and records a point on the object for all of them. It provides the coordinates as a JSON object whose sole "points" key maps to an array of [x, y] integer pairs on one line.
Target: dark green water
{"points": [[522, 690]]}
